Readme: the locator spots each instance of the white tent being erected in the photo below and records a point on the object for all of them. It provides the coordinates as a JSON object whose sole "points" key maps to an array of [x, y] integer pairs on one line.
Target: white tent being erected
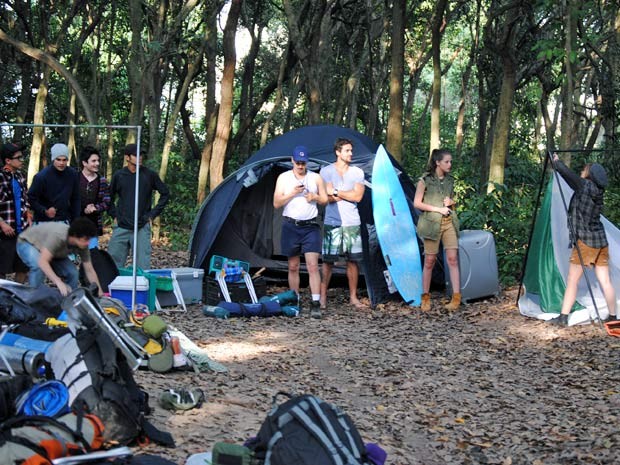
{"points": [[548, 261]]}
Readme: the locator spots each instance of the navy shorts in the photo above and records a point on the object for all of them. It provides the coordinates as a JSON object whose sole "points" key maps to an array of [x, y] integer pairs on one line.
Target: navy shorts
{"points": [[298, 240]]}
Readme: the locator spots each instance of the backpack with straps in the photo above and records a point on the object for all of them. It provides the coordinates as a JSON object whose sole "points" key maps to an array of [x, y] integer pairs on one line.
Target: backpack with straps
{"points": [[100, 381], [305, 430]]}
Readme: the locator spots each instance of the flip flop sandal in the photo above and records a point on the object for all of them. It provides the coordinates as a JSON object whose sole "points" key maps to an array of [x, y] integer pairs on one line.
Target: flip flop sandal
{"points": [[182, 399]]}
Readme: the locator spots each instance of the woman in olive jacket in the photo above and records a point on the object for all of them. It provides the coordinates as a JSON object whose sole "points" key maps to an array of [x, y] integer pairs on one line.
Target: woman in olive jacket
{"points": [[438, 223]]}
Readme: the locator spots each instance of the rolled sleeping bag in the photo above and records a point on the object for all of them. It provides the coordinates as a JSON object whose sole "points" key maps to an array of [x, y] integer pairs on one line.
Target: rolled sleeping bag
{"points": [[27, 438], [24, 361], [48, 399], [15, 340]]}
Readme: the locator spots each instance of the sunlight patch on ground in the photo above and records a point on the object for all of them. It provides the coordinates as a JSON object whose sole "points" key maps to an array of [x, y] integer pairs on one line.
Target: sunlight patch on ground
{"points": [[548, 332], [260, 343]]}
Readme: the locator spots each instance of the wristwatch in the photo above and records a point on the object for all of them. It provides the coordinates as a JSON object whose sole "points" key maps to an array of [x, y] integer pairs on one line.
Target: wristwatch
{"points": [[335, 193]]}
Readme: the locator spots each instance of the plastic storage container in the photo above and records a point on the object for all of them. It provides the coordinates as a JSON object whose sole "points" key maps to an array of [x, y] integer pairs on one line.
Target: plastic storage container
{"points": [[477, 265], [122, 286], [152, 280], [163, 281], [190, 282]]}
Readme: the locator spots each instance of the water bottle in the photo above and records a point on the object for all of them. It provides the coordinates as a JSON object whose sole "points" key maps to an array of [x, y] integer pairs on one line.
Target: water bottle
{"points": [[215, 312], [290, 310]]}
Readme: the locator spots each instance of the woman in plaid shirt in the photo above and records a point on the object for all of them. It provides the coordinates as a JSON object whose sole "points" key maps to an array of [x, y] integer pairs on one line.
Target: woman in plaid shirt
{"points": [[587, 235]]}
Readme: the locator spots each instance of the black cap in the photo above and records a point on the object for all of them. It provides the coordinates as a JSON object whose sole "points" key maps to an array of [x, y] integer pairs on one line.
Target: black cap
{"points": [[11, 148], [132, 149]]}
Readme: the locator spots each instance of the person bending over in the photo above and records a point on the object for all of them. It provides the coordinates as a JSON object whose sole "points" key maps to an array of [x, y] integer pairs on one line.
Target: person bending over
{"points": [[45, 249]]}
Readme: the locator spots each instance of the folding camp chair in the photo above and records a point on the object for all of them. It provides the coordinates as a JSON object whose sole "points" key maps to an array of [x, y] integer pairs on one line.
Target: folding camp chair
{"points": [[226, 270]]}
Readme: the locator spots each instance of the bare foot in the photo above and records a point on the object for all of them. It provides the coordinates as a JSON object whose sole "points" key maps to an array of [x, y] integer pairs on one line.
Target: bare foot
{"points": [[358, 304]]}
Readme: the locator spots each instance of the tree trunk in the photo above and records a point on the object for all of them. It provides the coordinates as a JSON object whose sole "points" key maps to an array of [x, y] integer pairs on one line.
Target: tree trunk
{"points": [[53, 63], [310, 47], [247, 89], [211, 108], [437, 32], [501, 133], [38, 135], [568, 134], [395, 119], [278, 100], [224, 117], [460, 120]]}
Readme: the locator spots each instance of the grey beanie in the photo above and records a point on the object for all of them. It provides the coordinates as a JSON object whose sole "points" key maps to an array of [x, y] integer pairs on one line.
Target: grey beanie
{"points": [[59, 150], [598, 175]]}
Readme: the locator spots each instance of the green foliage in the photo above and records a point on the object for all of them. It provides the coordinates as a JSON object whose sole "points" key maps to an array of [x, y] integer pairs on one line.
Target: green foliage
{"points": [[178, 216], [507, 214]]}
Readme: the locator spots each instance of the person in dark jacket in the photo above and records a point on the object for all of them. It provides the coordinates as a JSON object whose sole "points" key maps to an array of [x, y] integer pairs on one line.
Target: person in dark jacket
{"points": [[587, 234], [122, 193], [94, 190], [55, 191], [14, 210]]}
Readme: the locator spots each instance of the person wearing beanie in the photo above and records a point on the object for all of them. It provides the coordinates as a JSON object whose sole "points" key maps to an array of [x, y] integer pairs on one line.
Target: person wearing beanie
{"points": [[587, 235], [55, 191], [298, 192], [14, 210], [122, 209]]}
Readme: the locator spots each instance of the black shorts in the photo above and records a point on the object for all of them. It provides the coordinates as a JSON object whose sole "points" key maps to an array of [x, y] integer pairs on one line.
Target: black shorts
{"points": [[298, 240], [9, 260]]}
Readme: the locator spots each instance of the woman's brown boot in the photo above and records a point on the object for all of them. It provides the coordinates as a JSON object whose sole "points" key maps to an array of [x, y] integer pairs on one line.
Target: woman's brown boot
{"points": [[426, 302], [455, 302]]}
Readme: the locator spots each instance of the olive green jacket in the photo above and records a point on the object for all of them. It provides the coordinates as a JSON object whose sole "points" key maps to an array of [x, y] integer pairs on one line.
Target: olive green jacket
{"points": [[429, 223]]}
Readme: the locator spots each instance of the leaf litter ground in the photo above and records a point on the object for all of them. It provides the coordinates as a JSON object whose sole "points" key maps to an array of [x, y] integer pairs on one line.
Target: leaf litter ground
{"points": [[483, 385]]}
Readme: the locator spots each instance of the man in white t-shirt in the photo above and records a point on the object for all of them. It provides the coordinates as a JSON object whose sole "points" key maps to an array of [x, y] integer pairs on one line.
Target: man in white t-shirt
{"points": [[299, 191], [342, 233]]}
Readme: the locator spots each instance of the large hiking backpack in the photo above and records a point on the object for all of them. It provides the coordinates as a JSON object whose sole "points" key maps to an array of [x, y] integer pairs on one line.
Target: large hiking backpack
{"points": [[100, 381], [305, 430], [38, 440]]}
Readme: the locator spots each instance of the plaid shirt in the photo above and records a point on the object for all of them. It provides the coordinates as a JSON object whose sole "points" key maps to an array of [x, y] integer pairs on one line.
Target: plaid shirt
{"points": [[100, 199], [7, 202], [584, 209]]}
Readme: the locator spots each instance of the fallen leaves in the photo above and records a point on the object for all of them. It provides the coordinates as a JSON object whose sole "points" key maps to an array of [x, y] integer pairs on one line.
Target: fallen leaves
{"points": [[483, 385]]}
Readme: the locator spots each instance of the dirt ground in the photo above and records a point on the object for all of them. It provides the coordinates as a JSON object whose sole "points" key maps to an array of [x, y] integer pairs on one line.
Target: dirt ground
{"points": [[483, 385]]}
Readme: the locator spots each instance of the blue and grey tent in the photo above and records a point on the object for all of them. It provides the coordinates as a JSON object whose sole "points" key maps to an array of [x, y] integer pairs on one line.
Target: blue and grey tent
{"points": [[237, 220]]}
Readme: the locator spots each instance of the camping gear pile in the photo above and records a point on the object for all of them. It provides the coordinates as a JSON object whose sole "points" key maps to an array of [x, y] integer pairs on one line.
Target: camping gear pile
{"points": [[69, 387]]}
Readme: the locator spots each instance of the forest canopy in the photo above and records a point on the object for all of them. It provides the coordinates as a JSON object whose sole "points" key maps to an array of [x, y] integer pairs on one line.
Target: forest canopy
{"points": [[500, 83]]}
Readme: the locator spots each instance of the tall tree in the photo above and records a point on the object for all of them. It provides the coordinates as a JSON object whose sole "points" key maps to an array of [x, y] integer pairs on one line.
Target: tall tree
{"points": [[438, 26], [309, 32], [395, 119], [224, 119]]}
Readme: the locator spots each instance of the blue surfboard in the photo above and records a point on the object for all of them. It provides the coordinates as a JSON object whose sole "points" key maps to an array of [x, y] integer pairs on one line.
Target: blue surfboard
{"points": [[395, 230]]}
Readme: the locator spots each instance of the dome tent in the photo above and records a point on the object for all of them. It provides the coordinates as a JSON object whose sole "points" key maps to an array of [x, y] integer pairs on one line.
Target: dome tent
{"points": [[237, 220]]}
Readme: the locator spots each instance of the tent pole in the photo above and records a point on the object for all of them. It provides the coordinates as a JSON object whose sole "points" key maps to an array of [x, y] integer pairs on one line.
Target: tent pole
{"points": [[529, 240], [571, 226]]}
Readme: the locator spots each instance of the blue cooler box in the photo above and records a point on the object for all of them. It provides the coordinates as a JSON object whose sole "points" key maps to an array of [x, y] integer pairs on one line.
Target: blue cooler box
{"points": [[122, 286]]}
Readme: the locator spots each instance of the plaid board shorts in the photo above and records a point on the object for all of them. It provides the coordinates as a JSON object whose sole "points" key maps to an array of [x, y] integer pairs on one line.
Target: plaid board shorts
{"points": [[342, 242]]}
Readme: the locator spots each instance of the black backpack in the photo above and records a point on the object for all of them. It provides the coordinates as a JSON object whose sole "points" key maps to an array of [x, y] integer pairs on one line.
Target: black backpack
{"points": [[305, 430]]}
